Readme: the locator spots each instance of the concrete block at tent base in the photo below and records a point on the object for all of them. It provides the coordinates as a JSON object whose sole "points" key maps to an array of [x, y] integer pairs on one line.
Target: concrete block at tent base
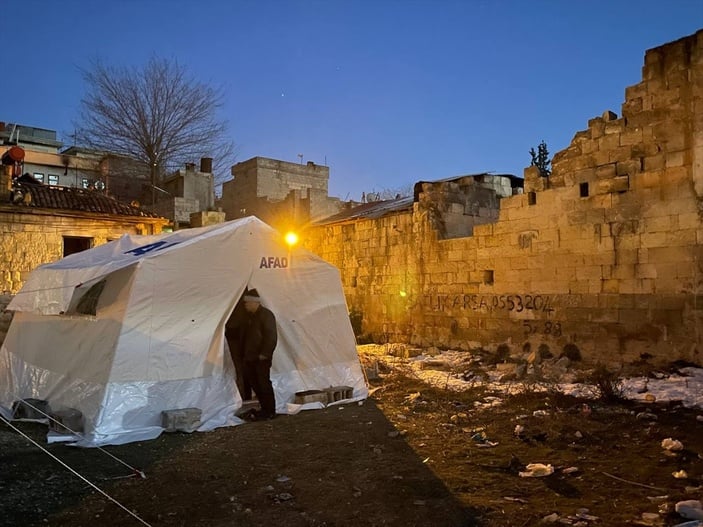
{"points": [[338, 393], [310, 396], [181, 420], [66, 421], [30, 409], [371, 371]]}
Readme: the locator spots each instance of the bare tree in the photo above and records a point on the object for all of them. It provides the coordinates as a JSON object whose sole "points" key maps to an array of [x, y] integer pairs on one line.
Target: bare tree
{"points": [[158, 114]]}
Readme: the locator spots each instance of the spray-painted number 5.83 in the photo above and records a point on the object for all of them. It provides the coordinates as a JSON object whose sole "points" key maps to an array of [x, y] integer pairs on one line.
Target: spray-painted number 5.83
{"points": [[546, 328]]}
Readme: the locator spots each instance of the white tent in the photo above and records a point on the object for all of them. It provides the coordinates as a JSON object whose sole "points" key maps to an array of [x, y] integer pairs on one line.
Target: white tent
{"points": [[136, 326]]}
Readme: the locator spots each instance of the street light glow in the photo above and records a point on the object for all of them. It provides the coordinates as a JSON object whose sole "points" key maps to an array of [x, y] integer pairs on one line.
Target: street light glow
{"points": [[291, 238]]}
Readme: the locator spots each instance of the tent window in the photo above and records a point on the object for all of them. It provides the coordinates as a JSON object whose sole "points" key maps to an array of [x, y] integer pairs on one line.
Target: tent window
{"points": [[88, 304]]}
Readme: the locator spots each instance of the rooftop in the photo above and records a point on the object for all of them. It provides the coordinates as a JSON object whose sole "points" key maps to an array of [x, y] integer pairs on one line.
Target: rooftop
{"points": [[378, 209], [75, 199]]}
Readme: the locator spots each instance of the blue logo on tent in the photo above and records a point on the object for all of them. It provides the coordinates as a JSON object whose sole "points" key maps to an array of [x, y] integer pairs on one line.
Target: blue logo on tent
{"points": [[151, 247]]}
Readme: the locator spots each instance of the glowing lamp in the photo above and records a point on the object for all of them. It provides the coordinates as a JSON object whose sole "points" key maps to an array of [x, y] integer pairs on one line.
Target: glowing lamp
{"points": [[291, 238], [403, 294]]}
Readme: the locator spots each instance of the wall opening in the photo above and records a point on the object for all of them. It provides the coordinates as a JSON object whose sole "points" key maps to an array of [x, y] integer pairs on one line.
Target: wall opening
{"points": [[76, 244], [583, 190], [531, 198], [488, 277]]}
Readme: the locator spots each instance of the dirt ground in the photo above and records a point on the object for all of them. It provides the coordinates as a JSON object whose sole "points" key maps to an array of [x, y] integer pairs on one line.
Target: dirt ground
{"points": [[410, 455]]}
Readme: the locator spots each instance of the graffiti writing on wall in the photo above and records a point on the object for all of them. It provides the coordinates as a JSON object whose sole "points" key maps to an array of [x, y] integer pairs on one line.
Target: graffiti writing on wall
{"points": [[547, 327], [516, 303]]}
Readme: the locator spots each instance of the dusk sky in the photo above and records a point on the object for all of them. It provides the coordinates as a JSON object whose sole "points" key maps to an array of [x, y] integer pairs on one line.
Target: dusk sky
{"points": [[386, 92]]}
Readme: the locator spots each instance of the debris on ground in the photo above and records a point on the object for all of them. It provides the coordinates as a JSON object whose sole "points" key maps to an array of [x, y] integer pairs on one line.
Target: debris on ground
{"points": [[537, 470], [429, 447]]}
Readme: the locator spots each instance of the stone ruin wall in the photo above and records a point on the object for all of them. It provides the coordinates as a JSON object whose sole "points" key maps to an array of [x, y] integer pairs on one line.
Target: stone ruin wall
{"points": [[604, 255]]}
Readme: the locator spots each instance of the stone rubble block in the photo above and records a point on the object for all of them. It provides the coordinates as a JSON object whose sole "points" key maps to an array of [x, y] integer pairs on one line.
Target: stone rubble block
{"points": [[338, 393], [68, 420], [30, 409], [181, 420], [310, 396]]}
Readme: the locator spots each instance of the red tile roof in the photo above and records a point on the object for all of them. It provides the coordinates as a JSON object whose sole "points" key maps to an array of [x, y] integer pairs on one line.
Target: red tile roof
{"points": [[76, 199]]}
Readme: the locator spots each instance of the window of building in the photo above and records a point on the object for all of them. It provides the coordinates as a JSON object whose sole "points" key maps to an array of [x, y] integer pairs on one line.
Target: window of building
{"points": [[76, 244], [531, 198], [85, 183], [583, 190], [53, 179], [39, 176]]}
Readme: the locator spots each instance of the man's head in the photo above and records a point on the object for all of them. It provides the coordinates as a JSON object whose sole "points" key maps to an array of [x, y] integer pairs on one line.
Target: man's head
{"points": [[252, 301]]}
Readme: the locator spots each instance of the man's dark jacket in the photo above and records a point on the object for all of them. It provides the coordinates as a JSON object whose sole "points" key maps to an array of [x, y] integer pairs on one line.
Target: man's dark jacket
{"points": [[260, 335]]}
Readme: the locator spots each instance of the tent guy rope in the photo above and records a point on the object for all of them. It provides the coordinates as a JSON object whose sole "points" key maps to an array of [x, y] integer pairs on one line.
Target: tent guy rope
{"points": [[75, 472], [135, 471]]}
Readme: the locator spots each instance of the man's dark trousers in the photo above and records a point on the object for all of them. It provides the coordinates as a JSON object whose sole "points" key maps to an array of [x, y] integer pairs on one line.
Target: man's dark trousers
{"points": [[258, 373]]}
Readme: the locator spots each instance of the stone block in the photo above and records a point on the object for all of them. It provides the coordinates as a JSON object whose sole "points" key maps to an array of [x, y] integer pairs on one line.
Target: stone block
{"points": [[645, 271], [645, 149], [338, 393], [653, 239], [628, 168], [30, 409], [181, 420], [655, 162], [610, 286], [620, 154], [315, 396], [666, 129], [603, 315], [606, 171], [675, 159], [601, 258], [590, 272], [680, 199], [577, 287], [630, 286], [596, 215], [616, 126], [690, 220], [635, 91], [534, 181], [616, 184], [676, 143], [649, 178], [687, 237], [632, 107], [607, 143], [624, 272], [658, 223], [68, 420], [666, 317], [602, 157]]}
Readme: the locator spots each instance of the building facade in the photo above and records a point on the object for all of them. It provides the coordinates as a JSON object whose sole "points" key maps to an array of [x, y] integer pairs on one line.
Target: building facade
{"points": [[41, 224], [285, 195]]}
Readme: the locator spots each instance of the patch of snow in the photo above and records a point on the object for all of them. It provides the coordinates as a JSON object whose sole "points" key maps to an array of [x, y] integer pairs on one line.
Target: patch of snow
{"points": [[686, 387]]}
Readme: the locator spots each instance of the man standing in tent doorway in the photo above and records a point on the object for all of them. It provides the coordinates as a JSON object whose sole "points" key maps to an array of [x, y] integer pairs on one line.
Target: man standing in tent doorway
{"points": [[234, 333], [260, 338]]}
